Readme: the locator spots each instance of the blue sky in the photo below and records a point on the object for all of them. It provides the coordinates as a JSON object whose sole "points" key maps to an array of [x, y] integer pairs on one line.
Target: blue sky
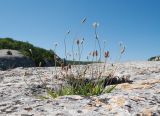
{"points": [[42, 22]]}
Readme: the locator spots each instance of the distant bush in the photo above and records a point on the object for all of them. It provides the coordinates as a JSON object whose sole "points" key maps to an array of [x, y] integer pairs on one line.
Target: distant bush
{"points": [[155, 58], [39, 54], [9, 53]]}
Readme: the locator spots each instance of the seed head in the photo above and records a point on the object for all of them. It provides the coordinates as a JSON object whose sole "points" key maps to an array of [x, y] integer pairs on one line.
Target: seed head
{"points": [[97, 36], [55, 44], [122, 49], [120, 44], [106, 54], [95, 25], [82, 41], [78, 42], [68, 32], [83, 20], [93, 53], [96, 53]]}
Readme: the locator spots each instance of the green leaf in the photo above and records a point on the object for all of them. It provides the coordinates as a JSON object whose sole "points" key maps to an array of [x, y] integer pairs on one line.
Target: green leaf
{"points": [[110, 89], [52, 94]]}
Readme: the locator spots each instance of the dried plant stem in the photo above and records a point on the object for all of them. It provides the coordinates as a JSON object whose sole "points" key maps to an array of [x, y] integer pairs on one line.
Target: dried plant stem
{"points": [[104, 67], [55, 65], [40, 77], [81, 48], [104, 46], [99, 45], [55, 60], [73, 52], [92, 64], [36, 67], [26, 81], [79, 54], [98, 60], [65, 47]]}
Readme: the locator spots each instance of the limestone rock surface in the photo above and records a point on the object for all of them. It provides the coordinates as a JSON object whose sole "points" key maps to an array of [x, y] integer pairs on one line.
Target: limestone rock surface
{"points": [[139, 98]]}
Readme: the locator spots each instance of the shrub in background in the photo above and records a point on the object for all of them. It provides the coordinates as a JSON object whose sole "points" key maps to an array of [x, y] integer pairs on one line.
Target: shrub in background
{"points": [[9, 52]]}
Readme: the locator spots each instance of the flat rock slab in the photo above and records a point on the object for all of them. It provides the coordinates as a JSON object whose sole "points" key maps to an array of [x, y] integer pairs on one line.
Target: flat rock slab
{"points": [[142, 97], [15, 59]]}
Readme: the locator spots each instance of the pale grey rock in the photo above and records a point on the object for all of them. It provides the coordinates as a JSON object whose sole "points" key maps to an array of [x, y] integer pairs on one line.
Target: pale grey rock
{"points": [[14, 60], [19, 94]]}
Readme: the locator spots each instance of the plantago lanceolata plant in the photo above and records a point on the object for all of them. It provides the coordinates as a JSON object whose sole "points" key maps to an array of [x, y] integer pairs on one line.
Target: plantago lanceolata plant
{"points": [[85, 80]]}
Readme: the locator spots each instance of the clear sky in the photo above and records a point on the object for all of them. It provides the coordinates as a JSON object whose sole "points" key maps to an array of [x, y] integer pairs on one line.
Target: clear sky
{"points": [[42, 22]]}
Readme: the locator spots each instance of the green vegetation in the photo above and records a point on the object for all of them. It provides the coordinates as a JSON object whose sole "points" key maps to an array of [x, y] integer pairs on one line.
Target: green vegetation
{"points": [[83, 87], [155, 58], [9, 52], [39, 54], [79, 62]]}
